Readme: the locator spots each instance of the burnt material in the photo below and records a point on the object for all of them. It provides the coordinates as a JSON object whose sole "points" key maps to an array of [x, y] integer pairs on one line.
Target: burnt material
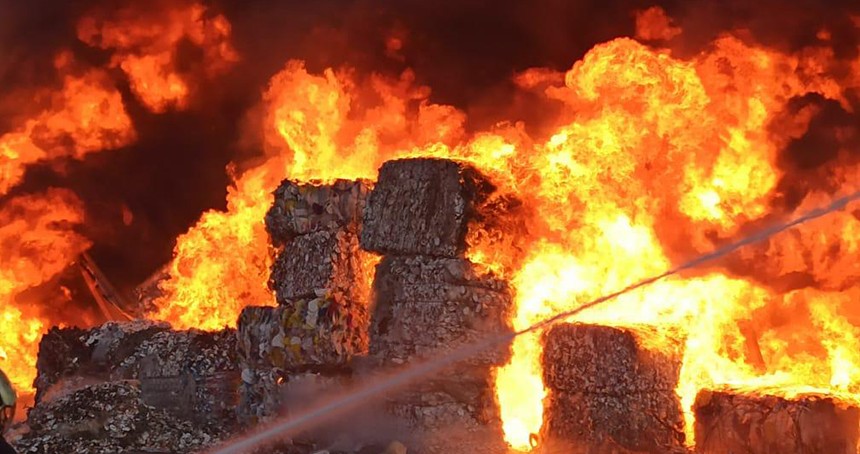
{"points": [[729, 422], [319, 263], [91, 354], [424, 306], [302, 208], [423, 207], [427, 304], [612, 390], [111, 417], [206, 362]]}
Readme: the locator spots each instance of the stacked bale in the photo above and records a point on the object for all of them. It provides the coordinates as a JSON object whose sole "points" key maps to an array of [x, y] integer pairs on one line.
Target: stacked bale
{"points": [[733, 422], [612, 390], [428, 298], [321, 281]]}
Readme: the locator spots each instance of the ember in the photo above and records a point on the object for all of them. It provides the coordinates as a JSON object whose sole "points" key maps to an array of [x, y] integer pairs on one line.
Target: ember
{"points": [[371, 224]]}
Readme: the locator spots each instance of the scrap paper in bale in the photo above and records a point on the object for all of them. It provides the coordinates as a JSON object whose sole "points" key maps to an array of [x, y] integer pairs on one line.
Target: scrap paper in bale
{"points": [[320, 263], [426, 304], [732, 422], [423, 206], [611, 390], [303, 334], [110, 417], [302, 208], [92, 354]]}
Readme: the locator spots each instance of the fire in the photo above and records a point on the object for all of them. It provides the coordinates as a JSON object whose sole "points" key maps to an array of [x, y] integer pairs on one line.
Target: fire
{"points": [[652, 159], [145, 43], [85, 115], [659, 150], [317, 127], [38, 243]]}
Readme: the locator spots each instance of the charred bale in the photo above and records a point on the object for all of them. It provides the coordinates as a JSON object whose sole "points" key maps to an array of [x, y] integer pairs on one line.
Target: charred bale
{"points": [[611, 390], [91, 355], [734, 422], [425, 305], [423, 206], [110, 417], [303, 208], [320, 263]]}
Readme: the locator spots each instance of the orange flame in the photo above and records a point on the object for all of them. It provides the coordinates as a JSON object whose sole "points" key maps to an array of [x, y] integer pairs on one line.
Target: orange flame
{"points": [[38, 243], [316, 127], [145, 43], [651, 159], [85, 116]]}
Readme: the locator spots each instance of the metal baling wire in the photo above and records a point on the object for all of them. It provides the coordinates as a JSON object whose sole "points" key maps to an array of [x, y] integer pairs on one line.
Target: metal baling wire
{"points": [[291, 425]]}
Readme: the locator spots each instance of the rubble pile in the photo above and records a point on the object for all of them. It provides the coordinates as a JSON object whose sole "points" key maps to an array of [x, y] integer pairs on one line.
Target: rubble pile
{"points": [[428, 297], [321, 281], [612, 390], [730, 422]]}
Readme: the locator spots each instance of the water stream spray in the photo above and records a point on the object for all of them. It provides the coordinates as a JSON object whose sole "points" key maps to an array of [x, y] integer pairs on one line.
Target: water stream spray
{"points": [[377, 386]]}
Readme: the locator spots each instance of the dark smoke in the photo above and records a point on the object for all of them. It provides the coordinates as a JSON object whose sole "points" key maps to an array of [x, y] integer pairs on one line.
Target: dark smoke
{"points": [[465, 50]]}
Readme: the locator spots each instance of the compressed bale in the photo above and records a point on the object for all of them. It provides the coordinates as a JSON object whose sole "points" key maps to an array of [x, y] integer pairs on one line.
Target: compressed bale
{"points": [[320, 263], [324, 332], [110, 417], [93, 354], [626, 422], [423, 207], [423, 305], [736, 422], [260, 394], [611, 390], [302, 208], [602, 359]]}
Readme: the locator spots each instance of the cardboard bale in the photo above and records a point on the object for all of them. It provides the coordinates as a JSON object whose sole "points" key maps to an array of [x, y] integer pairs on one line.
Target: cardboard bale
{"points": [[321, 263], [424, 305], [611, 390], [302, 208], [423, 206], [737, 422], [110, 417]]}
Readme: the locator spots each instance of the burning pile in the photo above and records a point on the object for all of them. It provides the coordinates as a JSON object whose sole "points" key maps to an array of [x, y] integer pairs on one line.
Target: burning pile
{"points": [[643, 157]]}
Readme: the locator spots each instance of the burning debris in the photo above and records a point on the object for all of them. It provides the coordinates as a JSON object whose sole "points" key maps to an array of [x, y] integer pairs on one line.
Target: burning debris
{"points": [[402, 228]]}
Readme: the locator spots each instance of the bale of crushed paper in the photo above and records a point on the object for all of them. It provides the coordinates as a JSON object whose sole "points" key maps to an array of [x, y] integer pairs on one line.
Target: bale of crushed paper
{"points": [[66, 353], [611, 390], [747, 422], [303, 208], [111, 417], [425, 305], [322, 332], [320, 263], [422, 206]]}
